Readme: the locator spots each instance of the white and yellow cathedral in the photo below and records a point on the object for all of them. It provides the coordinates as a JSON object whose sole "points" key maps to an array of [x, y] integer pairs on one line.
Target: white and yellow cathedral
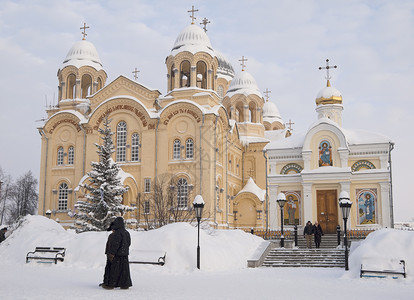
{"points": [[215, 134]]}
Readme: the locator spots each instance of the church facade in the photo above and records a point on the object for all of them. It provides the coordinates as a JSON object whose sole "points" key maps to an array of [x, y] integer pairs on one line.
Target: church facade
{"points": [[212, 134]]}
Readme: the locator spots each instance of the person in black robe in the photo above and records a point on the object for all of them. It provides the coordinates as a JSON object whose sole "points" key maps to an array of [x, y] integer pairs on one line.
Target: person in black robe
{"points": [[318, 233], [117, 272]]}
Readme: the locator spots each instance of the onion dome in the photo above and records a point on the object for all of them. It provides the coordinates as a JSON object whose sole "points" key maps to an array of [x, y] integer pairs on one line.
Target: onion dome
{"points": [[271, 113], [224, 69], [329, 95], [83, 53], [243, 83], [192, 39]]}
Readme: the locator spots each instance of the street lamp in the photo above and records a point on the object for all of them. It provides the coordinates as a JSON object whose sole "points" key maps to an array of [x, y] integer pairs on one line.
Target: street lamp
{"points": [[345, 205], [281, 200], [48, 213], [198, 204]]}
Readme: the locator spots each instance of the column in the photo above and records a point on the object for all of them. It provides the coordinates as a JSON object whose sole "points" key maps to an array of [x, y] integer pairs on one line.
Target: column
{"points": [[246, 113], [307, 202], [62, 91], [274, 220], [306, 155], [193, 77], [77, 89], [384, 215], [343, 155]]}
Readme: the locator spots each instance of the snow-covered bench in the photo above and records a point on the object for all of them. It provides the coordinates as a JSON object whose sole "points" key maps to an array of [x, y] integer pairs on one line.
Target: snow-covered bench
{"points": [[383, 268], [47, 254], [152, 257]]}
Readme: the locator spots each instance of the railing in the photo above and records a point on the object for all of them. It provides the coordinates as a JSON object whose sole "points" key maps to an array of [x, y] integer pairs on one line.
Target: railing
{"points": [[273, 234], [359, 233]]}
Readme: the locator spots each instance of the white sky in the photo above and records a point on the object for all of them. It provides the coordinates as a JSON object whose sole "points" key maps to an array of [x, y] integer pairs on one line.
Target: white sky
{"points": [[284, 41]]}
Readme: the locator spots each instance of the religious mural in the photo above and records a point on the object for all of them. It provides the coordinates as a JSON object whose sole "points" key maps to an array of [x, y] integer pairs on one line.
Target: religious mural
{"points": [[291, 213], [367, 203], [325, 154]]}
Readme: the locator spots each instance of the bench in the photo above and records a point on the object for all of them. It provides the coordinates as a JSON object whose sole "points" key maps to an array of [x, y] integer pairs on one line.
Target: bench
{"points": [[46, 254], [148, 257], [393, 268]]}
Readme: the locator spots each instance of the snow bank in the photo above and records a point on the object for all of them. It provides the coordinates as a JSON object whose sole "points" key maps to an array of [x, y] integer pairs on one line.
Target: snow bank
{"points": [[383, 249], [220, 249]]}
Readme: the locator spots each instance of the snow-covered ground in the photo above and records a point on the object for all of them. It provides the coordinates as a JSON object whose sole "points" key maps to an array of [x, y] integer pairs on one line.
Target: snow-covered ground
{"points": [[223, 273]]}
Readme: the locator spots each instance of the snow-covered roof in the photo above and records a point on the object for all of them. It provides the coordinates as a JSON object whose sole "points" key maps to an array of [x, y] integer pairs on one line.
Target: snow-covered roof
{"points": [[192, 39], [243, 83], [83, 53], [224, 69], [294, 141], [274, 135], [360, 137], [271, 113], [80, 116], [328, 94], [251, 187], [246, 140]]}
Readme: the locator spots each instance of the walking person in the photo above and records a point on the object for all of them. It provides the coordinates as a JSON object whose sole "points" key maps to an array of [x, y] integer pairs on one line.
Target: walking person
{"points": [[317, 233], [307, 233], [118, 250]]}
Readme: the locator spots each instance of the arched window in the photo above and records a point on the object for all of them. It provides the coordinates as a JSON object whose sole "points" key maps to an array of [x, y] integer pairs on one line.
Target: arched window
{"points": [[177, 149], [100, 85], [135, 147], [86, 86], [71, 155], [121, 134], [63, 197], [60, 156], [182, 193], [252, 112], [189, 149], [185, 74], [201, 68], [70, 88], [172, 78]]}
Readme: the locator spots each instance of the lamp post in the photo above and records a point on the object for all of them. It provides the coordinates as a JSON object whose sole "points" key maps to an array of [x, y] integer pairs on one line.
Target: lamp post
{"points": [[48, 213], [198, 204], [281, 200], [345, 205]]}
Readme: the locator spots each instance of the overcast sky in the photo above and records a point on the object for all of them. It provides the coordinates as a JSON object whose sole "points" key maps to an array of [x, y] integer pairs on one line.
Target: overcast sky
{"points": [[285, 42]]}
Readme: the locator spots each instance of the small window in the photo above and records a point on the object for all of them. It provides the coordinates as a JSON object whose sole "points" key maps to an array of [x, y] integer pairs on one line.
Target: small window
{"points": [[182, 193], [177, 149], [71, 155], [147, 185], [63, 197], [135, 147], [121, 134], [146, 207], [189, 149], [60, 156]]}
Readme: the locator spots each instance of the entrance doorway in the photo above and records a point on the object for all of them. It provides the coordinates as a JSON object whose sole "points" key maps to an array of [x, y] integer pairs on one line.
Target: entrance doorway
{"points": [[327, 210]]}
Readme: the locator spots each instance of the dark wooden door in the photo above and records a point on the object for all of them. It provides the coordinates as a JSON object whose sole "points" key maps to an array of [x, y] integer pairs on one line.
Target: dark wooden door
{"points": [[327, 210]]}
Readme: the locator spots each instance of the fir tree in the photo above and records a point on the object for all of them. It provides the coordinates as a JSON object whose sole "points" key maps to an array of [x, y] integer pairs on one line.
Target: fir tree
{"points": [[104, 190]]}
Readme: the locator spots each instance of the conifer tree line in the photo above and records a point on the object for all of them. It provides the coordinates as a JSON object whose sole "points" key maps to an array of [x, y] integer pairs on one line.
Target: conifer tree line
{"points": [[18, 198]]}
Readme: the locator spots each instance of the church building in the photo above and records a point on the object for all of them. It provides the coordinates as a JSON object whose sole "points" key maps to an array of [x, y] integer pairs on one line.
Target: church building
{"points": [[212, 134]]}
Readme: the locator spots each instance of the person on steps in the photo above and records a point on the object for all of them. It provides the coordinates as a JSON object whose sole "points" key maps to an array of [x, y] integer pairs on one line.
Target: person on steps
{"points": [[317, 233], [307, 233]]}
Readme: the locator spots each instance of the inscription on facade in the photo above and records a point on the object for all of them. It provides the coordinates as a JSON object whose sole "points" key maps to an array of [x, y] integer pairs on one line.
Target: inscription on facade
{"points": [[182, 111], [74, 123], [139, 114]]}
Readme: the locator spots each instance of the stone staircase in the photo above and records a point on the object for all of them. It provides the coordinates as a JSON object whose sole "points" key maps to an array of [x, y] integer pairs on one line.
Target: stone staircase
{"points": [[322, 257], [329, 241]]}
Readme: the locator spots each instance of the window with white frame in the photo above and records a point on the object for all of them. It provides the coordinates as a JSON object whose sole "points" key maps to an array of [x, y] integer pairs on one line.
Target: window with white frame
{"points": [[147, 185], [189, 149], [60, 156], [63, 196], [71, 155], [177, 149], [121, 134], [135, 147], [182, 193], [146, 207]]}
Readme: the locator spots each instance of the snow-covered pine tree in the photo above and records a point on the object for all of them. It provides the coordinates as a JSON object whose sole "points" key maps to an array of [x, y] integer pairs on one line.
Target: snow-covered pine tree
{"points": [[104, 191]]}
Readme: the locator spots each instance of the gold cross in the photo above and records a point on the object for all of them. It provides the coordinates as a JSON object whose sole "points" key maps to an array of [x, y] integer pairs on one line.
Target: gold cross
{"points": [[290, 123], [84, 30], [267, 92], [242, 62], [327, 69], [205, 22], [135, 74], [192, 11]]}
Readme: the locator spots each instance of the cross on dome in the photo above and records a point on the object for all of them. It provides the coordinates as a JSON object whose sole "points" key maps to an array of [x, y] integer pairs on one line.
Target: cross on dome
{"points": [[135, 74], [267, 92], [242, 62], [289, 124], [205, 22], [327, 70], [192, 11], [84, 30]]}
